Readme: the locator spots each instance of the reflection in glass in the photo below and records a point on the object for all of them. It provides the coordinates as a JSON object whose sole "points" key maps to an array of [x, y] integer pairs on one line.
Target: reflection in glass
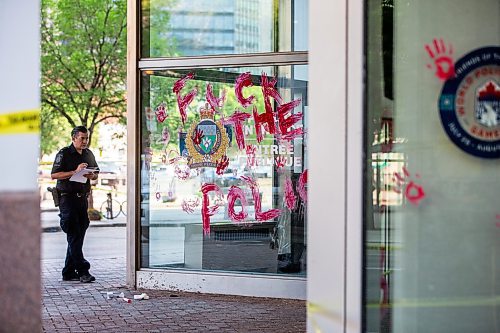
{"points": [[210, 201], [173, 28]]}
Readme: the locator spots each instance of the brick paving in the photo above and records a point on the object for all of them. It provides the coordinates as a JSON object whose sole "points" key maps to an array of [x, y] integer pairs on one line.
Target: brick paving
{"points": [[79, 307]]}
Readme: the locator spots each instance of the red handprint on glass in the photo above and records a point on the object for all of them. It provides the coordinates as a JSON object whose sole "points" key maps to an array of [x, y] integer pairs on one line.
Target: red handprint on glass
{"points": [[222, 164], [442, 58], [413, 192], [197, 136], [161, 112]]}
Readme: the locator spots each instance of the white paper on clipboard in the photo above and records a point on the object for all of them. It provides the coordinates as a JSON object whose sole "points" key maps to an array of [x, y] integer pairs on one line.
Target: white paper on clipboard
{"points": [[79, 176]]}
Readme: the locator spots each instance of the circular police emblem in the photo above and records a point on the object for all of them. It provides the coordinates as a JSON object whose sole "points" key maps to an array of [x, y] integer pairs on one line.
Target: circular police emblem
{"points": [[469, 104]]}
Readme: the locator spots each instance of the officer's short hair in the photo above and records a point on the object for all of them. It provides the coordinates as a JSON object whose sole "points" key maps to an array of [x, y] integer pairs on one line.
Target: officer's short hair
{"points": [[78, 129]]}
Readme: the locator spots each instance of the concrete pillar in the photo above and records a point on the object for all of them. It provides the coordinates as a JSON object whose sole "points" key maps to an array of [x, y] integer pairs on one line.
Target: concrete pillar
{"points": [[20, 306]]}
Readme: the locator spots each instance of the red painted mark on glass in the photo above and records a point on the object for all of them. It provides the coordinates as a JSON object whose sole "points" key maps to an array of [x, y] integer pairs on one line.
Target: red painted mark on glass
{"points": [[280, 162], [237, 119], [197, 136], [290, 198], [234, 194], [215, 103], [286, 120], [259, 215], [250, 151], [301, 186], [182, 171], [413, 192], [161, 112], [188, 205], [184, 101], [158, 195], [269, 88], [165, 136], [222, 165], [264, 120], [242, 81], [206, 210], [442, 59], [498, 220]]}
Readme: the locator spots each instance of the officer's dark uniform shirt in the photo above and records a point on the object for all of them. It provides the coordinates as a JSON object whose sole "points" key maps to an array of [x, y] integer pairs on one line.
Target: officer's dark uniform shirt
{"points": [[68, 159]]}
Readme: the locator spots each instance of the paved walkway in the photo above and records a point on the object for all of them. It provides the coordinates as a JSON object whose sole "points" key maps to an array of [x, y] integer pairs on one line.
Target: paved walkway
{"points": [[80, 307]]}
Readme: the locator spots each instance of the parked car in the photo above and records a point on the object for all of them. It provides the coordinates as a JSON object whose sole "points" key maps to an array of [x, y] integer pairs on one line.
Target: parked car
{"points": [[111, 174]]}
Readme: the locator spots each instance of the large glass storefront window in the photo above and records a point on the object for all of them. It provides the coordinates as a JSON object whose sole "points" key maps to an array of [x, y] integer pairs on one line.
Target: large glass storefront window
{"points": [[224, 169], [173, 28], [432, 222]]}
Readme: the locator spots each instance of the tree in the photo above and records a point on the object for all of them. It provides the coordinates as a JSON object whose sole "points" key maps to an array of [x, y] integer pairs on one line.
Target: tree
{"points": [[83, 63]]}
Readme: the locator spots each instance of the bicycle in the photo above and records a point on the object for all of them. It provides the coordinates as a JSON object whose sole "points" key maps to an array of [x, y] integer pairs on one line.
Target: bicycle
{"points": [[107, 208]]}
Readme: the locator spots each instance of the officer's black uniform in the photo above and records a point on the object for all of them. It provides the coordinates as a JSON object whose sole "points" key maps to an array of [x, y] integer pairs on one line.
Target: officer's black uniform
{"points": [[73, 207]]}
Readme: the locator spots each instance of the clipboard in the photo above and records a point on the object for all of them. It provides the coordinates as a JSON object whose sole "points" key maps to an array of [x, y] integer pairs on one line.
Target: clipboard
{"points": [[78, 177]]}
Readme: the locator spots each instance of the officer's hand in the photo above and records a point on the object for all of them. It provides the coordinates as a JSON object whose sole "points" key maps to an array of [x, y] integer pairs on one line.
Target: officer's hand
{"points": [[81, 166]]}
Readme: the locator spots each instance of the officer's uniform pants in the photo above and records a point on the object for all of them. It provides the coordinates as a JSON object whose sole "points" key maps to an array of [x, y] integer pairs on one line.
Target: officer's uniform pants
{"points": [[74, 222]]}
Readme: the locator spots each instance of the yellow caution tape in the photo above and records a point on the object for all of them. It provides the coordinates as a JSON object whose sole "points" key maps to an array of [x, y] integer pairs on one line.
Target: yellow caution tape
{"points": [[26, 121]]}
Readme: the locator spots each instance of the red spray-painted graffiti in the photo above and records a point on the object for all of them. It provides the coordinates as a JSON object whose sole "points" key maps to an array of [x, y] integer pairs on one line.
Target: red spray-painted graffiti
{"points": [[236, 193], [286, 121], [206, 210], [280, 162], [184, 101], [290, 197], [188, 205], [412, 191], [197, 136], [237, 119], [250, 151], [242, 81], [222, 165], [215, 103], [301, 186], [259, 215], [442, 58]]}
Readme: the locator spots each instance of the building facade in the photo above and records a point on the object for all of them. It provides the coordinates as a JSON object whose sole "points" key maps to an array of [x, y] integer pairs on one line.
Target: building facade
{"points": [[346, 153]]}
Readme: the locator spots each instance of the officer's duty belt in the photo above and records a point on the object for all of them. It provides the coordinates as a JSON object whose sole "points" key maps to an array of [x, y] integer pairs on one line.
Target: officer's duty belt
{"points": [[76, 194]]}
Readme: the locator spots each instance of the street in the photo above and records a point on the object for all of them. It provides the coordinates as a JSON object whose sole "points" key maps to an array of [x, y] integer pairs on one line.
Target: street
{"points": [[100, 243]]}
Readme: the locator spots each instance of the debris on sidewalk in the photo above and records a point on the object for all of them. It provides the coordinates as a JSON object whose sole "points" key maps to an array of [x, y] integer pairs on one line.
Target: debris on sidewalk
{"points": [[141, 296]]}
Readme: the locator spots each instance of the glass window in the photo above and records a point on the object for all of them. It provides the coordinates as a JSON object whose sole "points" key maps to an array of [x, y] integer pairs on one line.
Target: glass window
{"points": [[224, 169], [432, 221], [273, 26]]}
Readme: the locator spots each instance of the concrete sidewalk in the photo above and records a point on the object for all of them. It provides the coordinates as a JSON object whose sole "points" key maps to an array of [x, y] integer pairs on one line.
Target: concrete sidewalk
{"points": [[80, 307]]}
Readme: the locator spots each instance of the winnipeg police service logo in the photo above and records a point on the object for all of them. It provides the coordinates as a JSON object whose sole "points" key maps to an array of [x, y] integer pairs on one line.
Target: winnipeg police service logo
{"points": [[206, 141], [470, 103]]}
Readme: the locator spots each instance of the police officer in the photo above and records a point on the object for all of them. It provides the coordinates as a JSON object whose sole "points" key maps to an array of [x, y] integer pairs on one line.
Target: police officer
{"points": [[73, 202]]}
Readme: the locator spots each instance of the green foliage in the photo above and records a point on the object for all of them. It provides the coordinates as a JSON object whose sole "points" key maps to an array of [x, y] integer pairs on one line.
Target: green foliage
{"points": [[83, 64]]}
